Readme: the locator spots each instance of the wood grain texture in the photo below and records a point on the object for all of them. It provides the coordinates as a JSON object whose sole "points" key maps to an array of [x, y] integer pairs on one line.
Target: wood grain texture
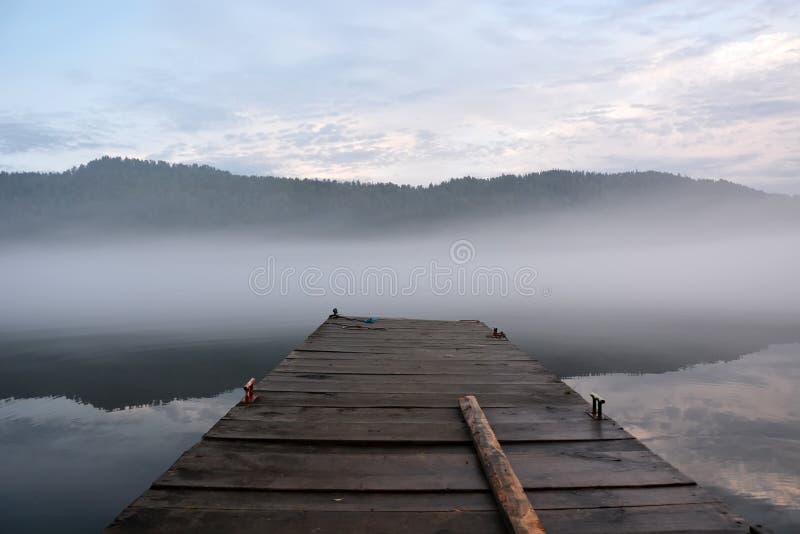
{"points": [[343, 429], [388, 501], [360, 430], [684, 519], [382, 466]]}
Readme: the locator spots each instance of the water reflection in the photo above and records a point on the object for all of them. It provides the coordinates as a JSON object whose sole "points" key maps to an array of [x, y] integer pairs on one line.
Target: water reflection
{"points": [[113, 371], [733, 426], [75, 466], [90, 418]]}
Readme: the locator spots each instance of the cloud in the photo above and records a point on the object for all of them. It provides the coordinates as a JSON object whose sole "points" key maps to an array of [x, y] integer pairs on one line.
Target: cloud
{"points": [[23, 136], [732, 424], [415, 95]]}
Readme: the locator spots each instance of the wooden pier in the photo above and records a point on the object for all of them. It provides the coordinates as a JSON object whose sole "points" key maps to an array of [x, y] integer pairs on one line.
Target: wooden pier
{"points": [[359, 429]]}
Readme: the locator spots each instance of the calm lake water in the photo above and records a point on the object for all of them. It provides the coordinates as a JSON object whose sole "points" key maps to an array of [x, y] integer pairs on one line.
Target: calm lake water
{"points": [[88, 421]]}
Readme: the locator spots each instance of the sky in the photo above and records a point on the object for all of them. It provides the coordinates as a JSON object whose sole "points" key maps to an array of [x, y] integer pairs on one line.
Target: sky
{"points": [[409, 92]]}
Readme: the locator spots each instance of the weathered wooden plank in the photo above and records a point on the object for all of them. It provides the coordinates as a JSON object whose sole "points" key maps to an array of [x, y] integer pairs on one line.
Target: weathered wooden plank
{"points": [[373, 378], [391, 360], [413, 322], [356, 331], [377, 355], [398, 345], [411, 341], [328, 343], [421, 400], [512, 503], [360, 501], [407, 432], [365, 336], [460, 343], [336, 386], [414, 352], [571, 413], [688, 518], [683, 518], [266, 465], [402, 328], [412, 328], [305, 365], [214, 521], [413, 337]]}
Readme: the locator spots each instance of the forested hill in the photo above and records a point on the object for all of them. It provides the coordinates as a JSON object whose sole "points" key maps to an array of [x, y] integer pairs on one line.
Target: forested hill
{"points": [[129, 195]]}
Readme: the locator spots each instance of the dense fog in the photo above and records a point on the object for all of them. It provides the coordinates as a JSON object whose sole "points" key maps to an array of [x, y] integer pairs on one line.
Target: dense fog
{"points": [[594, 275]]}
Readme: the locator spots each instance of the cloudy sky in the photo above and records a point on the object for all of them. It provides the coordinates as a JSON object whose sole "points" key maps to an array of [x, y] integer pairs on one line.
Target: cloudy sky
{"points": [[414, 93]]}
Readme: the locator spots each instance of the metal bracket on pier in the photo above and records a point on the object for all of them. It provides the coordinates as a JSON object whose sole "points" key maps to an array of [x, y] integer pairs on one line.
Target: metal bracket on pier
{"points": [[498, 335], [597, 406], [249, 396]]}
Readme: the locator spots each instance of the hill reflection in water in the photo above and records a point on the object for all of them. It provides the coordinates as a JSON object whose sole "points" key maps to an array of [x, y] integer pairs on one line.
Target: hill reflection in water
{"points": [[733, 426]]}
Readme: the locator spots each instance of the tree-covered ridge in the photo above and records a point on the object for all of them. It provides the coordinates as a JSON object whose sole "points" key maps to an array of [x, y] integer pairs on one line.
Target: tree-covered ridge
{"points": [[128, 193]]}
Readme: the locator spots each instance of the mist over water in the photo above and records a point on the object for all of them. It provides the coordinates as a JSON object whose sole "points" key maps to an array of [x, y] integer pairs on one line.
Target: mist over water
{"points": [[118, 353], [239, 280]]}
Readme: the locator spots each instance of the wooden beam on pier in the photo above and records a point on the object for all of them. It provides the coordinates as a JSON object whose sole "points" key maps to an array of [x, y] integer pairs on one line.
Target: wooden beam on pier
{"points": [[513, 503]]}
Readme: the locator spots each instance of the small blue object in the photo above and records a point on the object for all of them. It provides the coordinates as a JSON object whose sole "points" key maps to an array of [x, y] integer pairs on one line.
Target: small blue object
{"points": [[371, 320]]}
